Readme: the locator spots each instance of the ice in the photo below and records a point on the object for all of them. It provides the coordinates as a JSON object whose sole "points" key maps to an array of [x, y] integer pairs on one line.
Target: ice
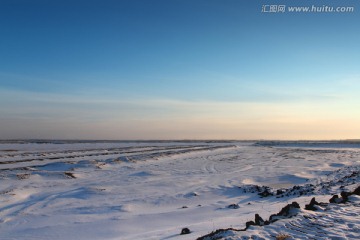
{"points": [[152, 190]]}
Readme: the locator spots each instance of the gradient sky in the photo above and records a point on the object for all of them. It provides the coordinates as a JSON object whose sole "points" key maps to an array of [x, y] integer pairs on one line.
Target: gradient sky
{"points": [[171, 69]]}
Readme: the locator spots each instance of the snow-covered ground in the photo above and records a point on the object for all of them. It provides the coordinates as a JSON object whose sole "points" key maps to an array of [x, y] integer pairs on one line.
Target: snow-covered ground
{"points": [[152, 190]]}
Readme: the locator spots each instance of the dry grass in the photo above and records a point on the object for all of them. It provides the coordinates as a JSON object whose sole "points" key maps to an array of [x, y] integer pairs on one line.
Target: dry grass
{"points": [[283, 236], [22, 176]]}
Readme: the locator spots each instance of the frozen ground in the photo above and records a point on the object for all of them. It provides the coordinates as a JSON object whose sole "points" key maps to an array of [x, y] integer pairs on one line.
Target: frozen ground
{"points": [[151, 190]]}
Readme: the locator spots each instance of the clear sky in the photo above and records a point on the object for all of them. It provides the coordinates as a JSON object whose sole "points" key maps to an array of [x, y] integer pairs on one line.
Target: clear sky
{"points": [[178, 69]]}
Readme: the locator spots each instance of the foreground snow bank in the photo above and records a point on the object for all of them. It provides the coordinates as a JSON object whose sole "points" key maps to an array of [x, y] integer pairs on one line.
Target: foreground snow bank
{"points": [[339, 219]]}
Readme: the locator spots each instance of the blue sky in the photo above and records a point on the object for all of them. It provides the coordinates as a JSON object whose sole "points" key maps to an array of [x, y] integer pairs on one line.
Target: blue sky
{"points": [[157, 69]]}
